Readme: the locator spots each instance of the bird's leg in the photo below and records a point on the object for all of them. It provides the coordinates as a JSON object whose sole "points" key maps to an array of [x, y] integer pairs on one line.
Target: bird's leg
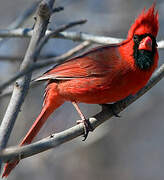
{"points": [[87, 125], [110, 106]]}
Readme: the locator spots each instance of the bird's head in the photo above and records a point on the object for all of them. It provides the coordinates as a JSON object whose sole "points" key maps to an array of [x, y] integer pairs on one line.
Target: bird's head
{"points": [[143, 34]]}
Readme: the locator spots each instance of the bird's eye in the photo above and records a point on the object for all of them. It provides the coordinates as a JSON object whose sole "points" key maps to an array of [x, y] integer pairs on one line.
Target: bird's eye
{"points": [[136, 38]]}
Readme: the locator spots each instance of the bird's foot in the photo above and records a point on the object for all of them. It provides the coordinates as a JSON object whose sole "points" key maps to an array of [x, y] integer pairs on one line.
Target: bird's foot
{"points": [[87, 127], [110, 106]]}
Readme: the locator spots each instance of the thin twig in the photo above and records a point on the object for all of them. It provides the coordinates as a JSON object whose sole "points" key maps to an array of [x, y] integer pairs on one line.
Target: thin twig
{"points": [[56, 31], [58, 9], [57, 139], [21, 87]]}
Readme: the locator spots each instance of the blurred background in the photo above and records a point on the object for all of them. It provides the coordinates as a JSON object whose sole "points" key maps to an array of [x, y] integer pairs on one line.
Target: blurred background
{"points": [[126, 148]]}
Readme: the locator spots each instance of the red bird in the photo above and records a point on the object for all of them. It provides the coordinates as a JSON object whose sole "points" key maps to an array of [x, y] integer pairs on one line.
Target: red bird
{"points": [[102, 75]]}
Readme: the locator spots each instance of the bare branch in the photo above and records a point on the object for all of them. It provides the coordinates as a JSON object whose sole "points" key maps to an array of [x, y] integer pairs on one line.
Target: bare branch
{"points": [[79, 36], [58, 9], [160, 44], [75, 36], [21, 87], [56, 31], [57, 139]]}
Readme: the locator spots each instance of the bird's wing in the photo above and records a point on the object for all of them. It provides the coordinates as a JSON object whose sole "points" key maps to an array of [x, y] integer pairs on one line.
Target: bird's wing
{"points": [[92, 63]]}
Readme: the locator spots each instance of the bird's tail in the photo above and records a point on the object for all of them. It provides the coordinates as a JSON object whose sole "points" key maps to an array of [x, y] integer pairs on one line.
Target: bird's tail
{"points": [[52, 102]]}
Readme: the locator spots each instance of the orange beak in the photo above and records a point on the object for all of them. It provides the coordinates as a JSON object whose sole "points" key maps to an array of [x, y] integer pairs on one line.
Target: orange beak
{"points": [[146, 44]]}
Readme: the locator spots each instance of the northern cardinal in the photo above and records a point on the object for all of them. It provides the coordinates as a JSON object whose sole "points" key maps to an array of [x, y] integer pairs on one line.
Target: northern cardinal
{"points": [[102, 75]]}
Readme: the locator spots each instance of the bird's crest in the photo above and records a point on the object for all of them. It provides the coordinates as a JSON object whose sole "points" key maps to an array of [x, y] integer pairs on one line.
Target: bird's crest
{"points": [[146, 22]]}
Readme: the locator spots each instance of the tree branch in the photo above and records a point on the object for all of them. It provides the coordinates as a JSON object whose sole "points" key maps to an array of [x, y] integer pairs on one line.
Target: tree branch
{"points": [[79, 36], [21, 87], [58, 9], [75, 36], [57, 139]]}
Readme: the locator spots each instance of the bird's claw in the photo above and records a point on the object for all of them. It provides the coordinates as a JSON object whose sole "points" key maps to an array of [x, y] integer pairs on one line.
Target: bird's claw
{"points": [[87, 127]]}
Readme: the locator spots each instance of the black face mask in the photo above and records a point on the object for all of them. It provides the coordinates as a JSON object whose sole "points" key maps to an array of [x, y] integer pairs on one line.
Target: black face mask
{"points": [[144, 59]]}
